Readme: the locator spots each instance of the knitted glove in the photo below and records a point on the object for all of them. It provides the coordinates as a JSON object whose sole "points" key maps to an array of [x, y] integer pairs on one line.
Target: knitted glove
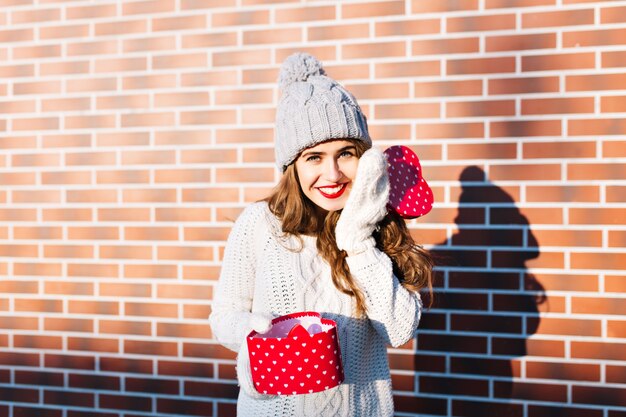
{"points": [[366, 205], [260, 323]]}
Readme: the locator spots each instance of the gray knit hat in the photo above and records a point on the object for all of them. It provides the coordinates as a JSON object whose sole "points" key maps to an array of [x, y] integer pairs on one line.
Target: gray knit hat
{"points": [[312, 109]]}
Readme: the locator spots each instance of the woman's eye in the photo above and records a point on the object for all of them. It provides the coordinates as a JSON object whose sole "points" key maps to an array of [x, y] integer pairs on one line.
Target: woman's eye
{"points": [[312, 158], [346, 154]]}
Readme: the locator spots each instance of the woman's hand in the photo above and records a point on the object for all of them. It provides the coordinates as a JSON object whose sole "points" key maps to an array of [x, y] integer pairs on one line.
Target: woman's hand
{"points": [[366, 205]]}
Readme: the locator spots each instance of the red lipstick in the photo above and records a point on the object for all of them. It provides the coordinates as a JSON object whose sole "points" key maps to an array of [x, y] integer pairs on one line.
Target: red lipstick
{"points": [[335, 195]]}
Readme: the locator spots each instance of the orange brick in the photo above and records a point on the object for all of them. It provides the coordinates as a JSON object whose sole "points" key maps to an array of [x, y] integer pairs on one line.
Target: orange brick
{"points": [[407, 27], [64, 32], [419, 6], [482, 151], [578, 238], [93, 344], [38, 14], [92, 48], [43, 87], [91, 11], [568, 282], [257, 17], [179, 176], [545, 259], [17, 35], [597, 260], [181, 99], [374, 50], [179, 23], [323, 53], [185, 253], [616, 329], [407, 111], [196, 311], [448, 88], [210, 78], [90, 158], [37, 269], [554, 62], [64, 67], [569, 327], [201, 292], [93, 270], [558, 105], [526, 172], [541, 193], [525, 128], [69, 215], [93, 233], [68, 288], [90, 122], [597, 126], [147, 82], [33, 124], [149, 195], [450, 130], [520, 42], [91, 196], [563, 371], [253, 57], [210, 40], [445, 46], [151, 233], [180, 61], [480, 108], [66, 104], [182, 214], [148, 157], [613, 14], [204, 195], [594, 38], [481, 66], [123, 177], [121, 27], [558, 19], [151, 309], [150, 271], [17, 178], [226, 175], [125, 252], [182, 330], [208, 156], [125, 290], [238, 97], [19, 287], [228, 214], [68, 325], [559, 150], [17, 71], [139, 328], [256, 76], [480, 23], [380, 91], [598, 305], [37, 342], [335, 32], [208, 117], [614, 149], [68, 251], [148, 7], [304, 14], [613, 104], [607, 171], [408, 69], [206, 233], [34, 232], [123, 214], [201, 4], [36, 196], [498, 4], [89, 85], [595, 216], [272, 36], [615, 194], [122, 139], [201, 272], [148, 119], [39, 305], [358, 10], [19, 323]]}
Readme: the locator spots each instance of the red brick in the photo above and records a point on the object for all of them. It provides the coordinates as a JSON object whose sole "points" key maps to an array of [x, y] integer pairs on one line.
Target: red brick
{"points": [[615, 194], [531, 391], [150, 348], [558, 19], [559, 150], [595, 82], [336, 32], [419, 6], [598, 350], [569, 327], [553, 62], [526, 128], [581, 127], [562, 411], [126, 402], [189, 407], [95, 382], [93, 344], [37, 342], [563, 371], [18, 395], [595, 216], [152, 386], [374, 50], [126, 365], [594, 38], [481, 66], [305, 14], [480, 108], [605, 396], [69, 362], [39, 378], [407, 69], [189, 369], [125, 327], [520, 42], [558, 105], [480, 23], [407, 27], [68, 324]]}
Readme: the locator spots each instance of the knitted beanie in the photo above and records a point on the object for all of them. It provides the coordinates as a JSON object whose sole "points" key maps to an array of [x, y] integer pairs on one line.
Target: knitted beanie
{"points": [[312, 109]]}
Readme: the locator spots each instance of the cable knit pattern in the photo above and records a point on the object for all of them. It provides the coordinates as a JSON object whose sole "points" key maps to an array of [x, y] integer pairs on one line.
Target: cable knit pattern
{"points": [[266, 273]]}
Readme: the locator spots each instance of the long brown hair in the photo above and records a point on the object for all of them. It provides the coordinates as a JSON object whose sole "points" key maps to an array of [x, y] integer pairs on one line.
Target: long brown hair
{"points": [[411, 263]]}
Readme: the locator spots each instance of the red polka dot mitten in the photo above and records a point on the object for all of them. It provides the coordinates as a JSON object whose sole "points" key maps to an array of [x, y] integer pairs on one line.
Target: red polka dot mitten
{"points": [[409, 194]]}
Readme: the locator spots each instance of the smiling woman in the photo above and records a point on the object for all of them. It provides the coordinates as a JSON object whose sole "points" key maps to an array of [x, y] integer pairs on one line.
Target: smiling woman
{"points": [[322, 243]]}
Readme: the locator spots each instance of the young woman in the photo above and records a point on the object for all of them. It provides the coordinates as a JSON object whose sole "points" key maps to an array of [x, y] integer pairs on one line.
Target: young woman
{"points": [[323, 241]]}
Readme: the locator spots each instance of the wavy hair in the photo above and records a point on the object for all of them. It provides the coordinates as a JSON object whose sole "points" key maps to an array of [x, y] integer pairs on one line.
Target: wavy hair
{"points": [[412, 264]]}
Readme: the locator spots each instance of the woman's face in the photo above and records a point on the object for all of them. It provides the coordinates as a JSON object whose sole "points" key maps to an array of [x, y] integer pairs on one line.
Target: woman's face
{"points": [[326, 172]]}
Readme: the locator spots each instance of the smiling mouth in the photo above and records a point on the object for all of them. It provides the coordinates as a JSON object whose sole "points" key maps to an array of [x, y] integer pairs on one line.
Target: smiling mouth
{"points": [[333, 192]]}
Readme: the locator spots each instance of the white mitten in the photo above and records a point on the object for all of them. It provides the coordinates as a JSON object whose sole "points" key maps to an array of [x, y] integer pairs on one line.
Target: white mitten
{"points": [[260, 323], [366, 205]]}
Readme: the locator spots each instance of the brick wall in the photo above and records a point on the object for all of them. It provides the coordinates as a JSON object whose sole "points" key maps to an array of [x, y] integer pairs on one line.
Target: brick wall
{"points": [[134, 132]]}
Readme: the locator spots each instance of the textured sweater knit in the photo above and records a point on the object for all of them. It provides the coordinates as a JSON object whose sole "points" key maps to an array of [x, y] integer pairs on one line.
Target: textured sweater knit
{"points": [[266, 272]]}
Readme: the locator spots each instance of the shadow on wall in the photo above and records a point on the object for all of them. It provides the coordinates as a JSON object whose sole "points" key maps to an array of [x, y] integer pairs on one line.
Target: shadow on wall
{"points": [[486, 303]]}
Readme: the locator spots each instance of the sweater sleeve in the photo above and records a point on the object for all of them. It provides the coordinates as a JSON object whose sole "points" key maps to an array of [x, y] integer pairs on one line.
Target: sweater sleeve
{"points": [[394, 311], [231, 319]]}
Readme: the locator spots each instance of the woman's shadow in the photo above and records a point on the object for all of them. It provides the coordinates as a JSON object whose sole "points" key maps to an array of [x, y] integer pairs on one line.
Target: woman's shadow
{"points": [[485, 304]]}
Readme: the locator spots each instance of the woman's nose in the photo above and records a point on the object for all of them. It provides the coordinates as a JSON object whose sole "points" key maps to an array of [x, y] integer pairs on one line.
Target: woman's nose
{"points": [[333, 171]]}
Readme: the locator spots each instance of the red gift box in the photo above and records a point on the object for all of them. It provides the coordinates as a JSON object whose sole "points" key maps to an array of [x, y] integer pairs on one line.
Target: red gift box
{"points": [[298, 355]]}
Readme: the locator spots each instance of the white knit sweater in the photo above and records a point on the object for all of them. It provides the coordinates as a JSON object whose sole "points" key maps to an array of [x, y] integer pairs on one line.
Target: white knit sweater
{"points": [[263, 272]]}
